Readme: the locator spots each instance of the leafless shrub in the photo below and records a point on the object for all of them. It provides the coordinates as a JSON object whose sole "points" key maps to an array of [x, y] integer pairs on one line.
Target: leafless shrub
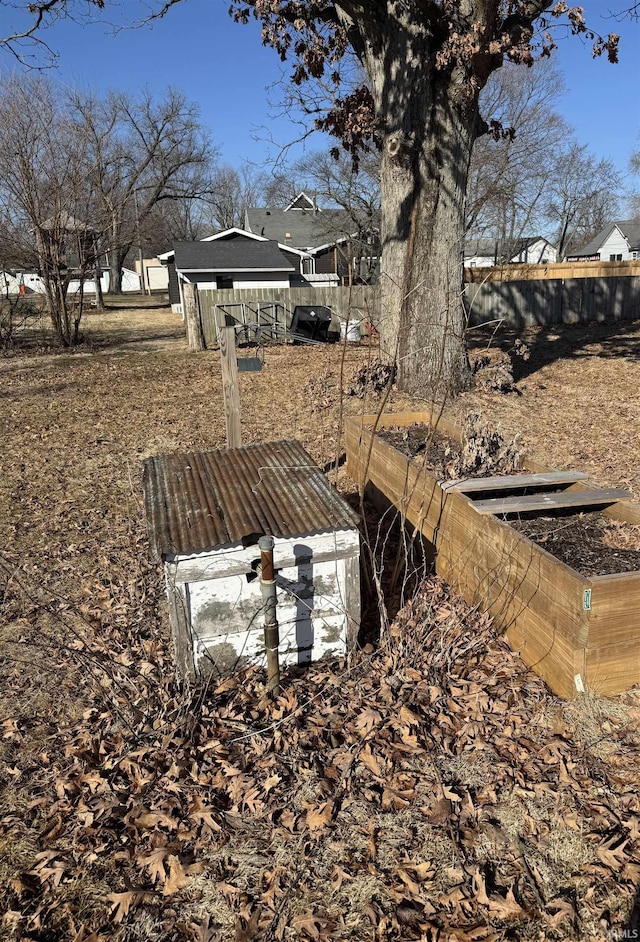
{"points": [[495, 374], [15, 313]]}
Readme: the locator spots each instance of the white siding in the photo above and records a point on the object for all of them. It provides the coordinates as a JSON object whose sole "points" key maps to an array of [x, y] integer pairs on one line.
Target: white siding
{"points": [[274, 280], [157, 277], [615, 245], [207, 280], [538, 253], [9, 284]]}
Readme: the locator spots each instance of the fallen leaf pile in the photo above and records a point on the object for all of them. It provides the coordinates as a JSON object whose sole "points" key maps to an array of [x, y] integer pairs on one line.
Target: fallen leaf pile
{"points": [[433, 789], [371, 379], [430, 790]]}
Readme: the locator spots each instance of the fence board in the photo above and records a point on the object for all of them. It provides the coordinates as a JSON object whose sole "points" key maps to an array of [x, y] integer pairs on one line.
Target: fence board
{"points": [[524, 303], [361, 302], [558, 270], [547, 302]]}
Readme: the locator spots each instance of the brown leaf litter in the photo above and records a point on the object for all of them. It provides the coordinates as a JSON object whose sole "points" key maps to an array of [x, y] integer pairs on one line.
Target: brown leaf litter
{"points": [[432, 789]]}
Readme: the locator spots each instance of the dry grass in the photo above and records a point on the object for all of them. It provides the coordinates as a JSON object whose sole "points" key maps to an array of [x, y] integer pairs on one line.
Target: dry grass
{"points": [[577, 401], [76, 428]]}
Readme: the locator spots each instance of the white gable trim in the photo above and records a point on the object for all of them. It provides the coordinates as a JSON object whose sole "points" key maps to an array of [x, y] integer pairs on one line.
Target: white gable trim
{"points": [[312, 203], [235, 231], [226, 271]]}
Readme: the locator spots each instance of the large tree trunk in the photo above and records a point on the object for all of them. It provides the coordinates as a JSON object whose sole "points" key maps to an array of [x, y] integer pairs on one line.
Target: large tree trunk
{"points": [[428, 121], [116, 264]]}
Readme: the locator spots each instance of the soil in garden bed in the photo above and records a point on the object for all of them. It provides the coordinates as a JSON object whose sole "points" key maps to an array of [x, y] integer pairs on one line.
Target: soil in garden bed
{"points": [[440, 456], [591, 543], [411, 441]]}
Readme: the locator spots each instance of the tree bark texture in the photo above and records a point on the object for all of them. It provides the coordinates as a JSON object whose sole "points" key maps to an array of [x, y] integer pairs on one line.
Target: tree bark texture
{"points": [[195, 336], [428, 119]]}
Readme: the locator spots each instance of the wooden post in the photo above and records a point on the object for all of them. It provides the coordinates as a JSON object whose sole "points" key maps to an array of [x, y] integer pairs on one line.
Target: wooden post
{"points": [[230, 386], [269, 597], [195, 337]]}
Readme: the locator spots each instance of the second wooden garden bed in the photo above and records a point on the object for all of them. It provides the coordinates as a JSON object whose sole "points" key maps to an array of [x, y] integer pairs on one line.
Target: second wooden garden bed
{"points": [[576, 631]]}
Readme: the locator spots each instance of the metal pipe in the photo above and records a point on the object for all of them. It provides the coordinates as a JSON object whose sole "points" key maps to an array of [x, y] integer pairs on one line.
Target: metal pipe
{"points": [[271, 634]]}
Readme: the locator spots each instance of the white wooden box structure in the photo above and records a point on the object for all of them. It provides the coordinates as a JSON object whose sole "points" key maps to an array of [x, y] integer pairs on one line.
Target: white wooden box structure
{"points": [[205, 513]]}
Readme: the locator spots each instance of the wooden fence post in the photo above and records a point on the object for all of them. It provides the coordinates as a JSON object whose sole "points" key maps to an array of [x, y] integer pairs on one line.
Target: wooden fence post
{"points": [[230, 386], [193, 320]]}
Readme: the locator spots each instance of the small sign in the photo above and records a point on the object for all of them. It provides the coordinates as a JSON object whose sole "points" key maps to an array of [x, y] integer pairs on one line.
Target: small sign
{"points": [[249, 364], [587, 600]]}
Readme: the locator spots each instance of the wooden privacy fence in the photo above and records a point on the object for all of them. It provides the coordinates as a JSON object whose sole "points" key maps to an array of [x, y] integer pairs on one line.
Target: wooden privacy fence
{"points": [[521, 303], [546, 302], [557, 270], [266, 306]]}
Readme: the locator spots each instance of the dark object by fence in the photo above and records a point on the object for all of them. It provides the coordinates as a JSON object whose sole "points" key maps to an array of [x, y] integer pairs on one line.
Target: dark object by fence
{"points": [[311, 322]]}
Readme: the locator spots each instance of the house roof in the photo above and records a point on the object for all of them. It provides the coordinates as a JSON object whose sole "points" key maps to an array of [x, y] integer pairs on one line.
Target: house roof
{"points": [[302, 201], [204, 500], [234, 235], [65, 222], [237, 255], [301, 228], [488, 248], [630, 229]]}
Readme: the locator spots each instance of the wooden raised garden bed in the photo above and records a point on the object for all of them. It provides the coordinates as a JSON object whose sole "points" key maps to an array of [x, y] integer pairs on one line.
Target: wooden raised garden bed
{"points": [[576, 631]]}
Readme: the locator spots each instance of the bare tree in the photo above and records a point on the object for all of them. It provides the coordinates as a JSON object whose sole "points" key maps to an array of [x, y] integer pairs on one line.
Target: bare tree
{"points": [[583, 196], [510, 172], [426, 62], [47, 195], [143, 152]]}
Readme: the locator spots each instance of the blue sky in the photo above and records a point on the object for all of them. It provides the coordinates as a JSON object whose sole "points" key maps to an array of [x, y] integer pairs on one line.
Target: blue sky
{"points": [[224, 67]]}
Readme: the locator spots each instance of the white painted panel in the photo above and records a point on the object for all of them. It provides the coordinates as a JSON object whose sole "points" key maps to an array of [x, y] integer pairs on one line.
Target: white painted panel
{"points": [[227, 612], [239, 559], [157, 277]]}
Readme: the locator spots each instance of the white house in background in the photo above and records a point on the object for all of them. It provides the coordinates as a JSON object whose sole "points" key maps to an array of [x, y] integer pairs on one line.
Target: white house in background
{"points": [[617, 242], [232, 259], [9, 284], [155, 274], [483, 253], [33, 283]]}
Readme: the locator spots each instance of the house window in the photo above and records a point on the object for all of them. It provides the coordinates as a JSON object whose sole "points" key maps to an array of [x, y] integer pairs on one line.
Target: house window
{"points": [[615, 258], [634, 254], [224, 281]]}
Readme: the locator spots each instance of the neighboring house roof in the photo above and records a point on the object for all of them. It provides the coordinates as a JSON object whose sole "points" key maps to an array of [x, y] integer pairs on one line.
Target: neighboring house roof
{"points": [[65, 222], [490, 248], [238, 255], [630, 229], [233, 232], [302, 201], [233, 236], [309, 229]]}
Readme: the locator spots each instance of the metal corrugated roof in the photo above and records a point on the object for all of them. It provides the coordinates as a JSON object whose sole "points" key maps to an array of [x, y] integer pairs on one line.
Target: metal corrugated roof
{"points": [[205, 500]]}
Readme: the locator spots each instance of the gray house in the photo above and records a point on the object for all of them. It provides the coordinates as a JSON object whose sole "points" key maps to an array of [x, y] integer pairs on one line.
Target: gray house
{"points": [[231, 259], [336, 249]]}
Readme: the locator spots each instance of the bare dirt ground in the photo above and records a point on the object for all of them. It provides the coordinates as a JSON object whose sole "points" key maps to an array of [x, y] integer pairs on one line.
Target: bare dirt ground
{"points": [[433, 789]]}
